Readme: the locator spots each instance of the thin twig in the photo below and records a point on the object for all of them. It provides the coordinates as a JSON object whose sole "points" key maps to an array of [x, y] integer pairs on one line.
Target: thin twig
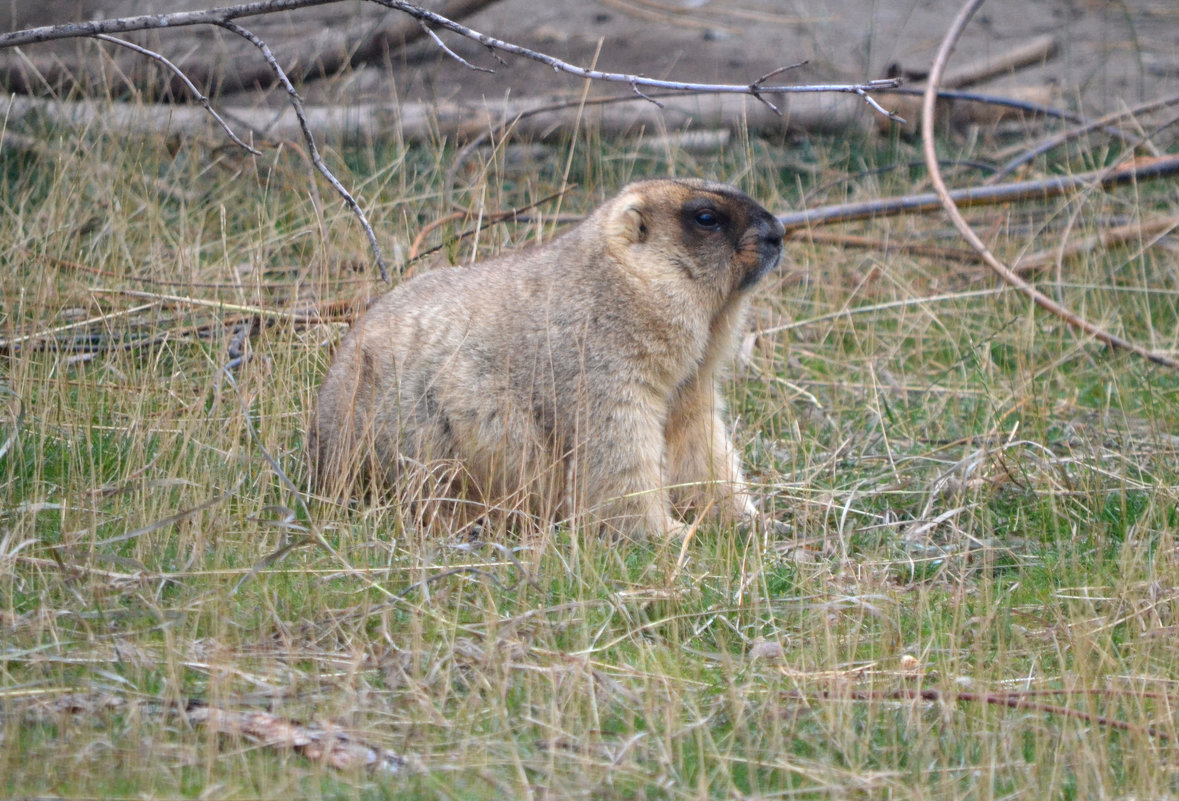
{"points": [[430, 32], [760, 82], [892, 115], [1013, 700], [172, 519], [947, 201], [200, 97], [756, 88], [634, 87], [313, 150]]}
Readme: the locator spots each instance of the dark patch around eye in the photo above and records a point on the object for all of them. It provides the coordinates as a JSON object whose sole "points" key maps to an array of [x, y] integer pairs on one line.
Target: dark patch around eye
{"points": [[707, 218], [704, 216]]}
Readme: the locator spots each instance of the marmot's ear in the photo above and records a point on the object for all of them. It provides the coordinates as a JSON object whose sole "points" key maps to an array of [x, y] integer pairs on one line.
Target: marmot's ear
{"points": [[627, 221]]}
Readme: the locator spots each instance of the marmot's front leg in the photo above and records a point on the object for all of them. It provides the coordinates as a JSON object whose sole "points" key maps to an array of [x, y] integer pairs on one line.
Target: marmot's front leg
{"points": [[617, 476], [703, 469]]}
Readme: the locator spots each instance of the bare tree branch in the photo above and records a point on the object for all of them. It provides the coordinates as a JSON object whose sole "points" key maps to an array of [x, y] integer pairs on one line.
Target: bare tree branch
{"points": [[217, 16], [147, 22], [755, 88], [328, 40]]}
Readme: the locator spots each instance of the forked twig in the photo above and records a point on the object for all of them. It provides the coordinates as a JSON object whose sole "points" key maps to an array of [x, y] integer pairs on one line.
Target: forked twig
{"points": [[871, 101], [441, 44], [1008, 275], [313, 150], [179, 73]]}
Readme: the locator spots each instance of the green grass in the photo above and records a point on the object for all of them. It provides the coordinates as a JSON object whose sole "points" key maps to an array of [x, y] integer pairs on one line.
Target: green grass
{"points": [[981, 502]]}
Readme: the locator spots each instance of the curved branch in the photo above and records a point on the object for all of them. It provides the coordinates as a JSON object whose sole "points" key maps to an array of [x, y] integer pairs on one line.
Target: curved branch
{"points": [[1002, 270]]}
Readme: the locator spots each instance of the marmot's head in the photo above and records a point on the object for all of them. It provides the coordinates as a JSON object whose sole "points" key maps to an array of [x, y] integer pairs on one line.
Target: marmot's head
{"points": [[713, 233]]}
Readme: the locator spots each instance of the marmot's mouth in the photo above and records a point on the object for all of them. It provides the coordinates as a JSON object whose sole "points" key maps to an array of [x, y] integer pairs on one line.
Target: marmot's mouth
{"points": [[769, 255]]}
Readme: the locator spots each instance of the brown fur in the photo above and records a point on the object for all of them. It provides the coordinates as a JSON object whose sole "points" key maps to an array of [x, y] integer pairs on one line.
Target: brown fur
{"points": [[575, 378]]}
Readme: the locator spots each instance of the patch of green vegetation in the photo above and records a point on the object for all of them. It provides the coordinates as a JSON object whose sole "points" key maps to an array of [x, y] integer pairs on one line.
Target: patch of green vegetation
{"points": [[979, 502]]}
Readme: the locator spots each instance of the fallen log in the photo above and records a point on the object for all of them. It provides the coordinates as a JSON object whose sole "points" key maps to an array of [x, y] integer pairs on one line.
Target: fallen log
{"points": [[535, 118]]}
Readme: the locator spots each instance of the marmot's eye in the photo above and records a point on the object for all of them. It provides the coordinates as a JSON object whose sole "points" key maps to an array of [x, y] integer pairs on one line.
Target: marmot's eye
{"points": [[707, 218]]}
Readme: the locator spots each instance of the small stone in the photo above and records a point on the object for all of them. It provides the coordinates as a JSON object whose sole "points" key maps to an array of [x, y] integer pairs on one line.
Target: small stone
{"points": [[766, 649]]}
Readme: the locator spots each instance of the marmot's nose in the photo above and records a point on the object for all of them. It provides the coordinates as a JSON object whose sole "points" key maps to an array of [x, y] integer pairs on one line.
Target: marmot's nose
{"points": [[772, 230]]}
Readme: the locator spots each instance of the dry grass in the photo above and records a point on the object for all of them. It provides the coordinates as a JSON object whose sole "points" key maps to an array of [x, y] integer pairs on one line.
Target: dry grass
{"points": [[981, 504]]}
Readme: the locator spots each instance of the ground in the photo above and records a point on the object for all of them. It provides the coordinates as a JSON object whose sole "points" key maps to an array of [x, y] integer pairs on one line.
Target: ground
{"points": [[976, 599]]}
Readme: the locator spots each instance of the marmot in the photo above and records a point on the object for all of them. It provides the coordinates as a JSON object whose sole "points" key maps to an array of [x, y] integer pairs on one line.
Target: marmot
{"points": [[575, 379]]}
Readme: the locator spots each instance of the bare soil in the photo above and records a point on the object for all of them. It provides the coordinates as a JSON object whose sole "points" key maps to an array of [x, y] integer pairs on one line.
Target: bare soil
{"points": [[1110, 53]]}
